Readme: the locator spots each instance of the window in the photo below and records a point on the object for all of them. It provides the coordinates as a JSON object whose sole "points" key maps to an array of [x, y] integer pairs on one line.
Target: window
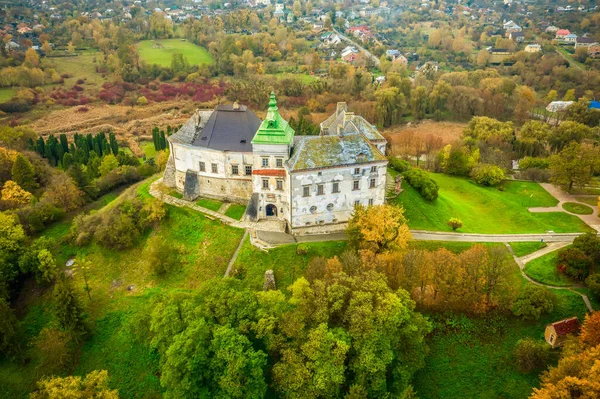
{"points": [[356, 185], [371, 202], [202, 167], [320, 190], [372, 183], [552, 338], [279, 162], [248, 170], [234, 170], [330, 207], [373, 169], [336, 187], [279, 184], [214, 167], [306, 191], [313, 209], [265, 162], [266, 184], [356, 203], [357, 171]]}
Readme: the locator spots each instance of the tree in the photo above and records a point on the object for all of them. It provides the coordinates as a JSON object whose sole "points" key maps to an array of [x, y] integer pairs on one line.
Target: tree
{"points": [[32, 59], [23, 173], [71, 48], [552, 95], [14, 195], [418, 102], [379, 228], [94, 385], [55, 349], [590, 331], [390, 105], [455, 223], [63, 193], [108, 163], [593, 283], [531, 355], [179, 63], [569, 95], [69, 311], [534, 301], [483, 57], [10, 344], [435, 38], [573, 166], [487, 174], [574, 263], [46, 48], [47, 266], [12, 240]]}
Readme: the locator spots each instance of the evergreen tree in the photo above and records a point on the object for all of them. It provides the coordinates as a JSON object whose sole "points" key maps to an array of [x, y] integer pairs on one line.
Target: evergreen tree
{"points": [[9, 334], [106, 148], [90, 143], [64, 142], [114, 146], [80, 178], [155, 138], [163, 140], [51, 150], [67, 160], [23, 173], [69, 310], [93, 165], [40, 146]]}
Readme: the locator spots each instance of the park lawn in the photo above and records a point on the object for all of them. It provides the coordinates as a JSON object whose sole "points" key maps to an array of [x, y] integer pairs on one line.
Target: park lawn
{"points": [[287, 265], [210, 204], [195, 55], [235, 211], [578, 209], [474, 357], [206, 245], [485, 209], [544, 270], [526, 248]]}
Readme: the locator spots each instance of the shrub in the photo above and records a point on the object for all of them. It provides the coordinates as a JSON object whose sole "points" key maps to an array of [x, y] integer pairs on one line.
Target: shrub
{"points": [[534, 162], [162, 256], [536, 175], [455, 223], [574, 263], [593, 283], [425, 185], [487, 174], [531, 355], [399, 165], [533, 301]]}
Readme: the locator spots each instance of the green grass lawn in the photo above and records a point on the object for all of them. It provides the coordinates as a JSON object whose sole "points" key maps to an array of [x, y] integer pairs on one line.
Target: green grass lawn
{"points": [[452, 246], [543, 269], [195, 55], [82, 67], [6, 94], [235, 211], [211, 204], [133, 367], [578, 209], [148, 148], [285, 262], [486, 209], [525, 248]]}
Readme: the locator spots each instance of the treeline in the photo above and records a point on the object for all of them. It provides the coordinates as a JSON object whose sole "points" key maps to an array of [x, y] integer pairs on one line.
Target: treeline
{"points": [[60, 153]]}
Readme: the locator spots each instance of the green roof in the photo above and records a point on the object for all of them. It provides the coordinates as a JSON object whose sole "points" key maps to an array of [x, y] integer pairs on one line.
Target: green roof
{"points": [[274, 129]]}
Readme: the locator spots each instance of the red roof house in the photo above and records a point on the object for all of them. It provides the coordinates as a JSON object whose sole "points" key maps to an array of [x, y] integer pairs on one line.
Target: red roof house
{"points": [[561, 33], [557, 332]]}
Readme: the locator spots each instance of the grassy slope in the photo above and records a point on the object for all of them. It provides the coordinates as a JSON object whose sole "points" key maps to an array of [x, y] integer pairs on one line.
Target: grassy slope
{"points": [[235, 211], [486, 209], [80, 67], [525, 248], [543, 269], [6, 94], [148, 148], [208, 246], [213, 205], [162, 56]]}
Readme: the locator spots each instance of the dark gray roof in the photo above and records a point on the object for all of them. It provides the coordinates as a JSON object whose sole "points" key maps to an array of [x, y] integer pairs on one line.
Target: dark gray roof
{"points": [[229, 129]]}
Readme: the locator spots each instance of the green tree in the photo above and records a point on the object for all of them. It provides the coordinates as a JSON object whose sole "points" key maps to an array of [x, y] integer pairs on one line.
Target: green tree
{"points": [[179, 63], [69, 310], [23, 173], [573, 166], [47, 266], [531, 355], [487, 175], [533, 301], [418, 101], [455, 223], [390, 105], [12, 241], [10, 344], [108, 163]]}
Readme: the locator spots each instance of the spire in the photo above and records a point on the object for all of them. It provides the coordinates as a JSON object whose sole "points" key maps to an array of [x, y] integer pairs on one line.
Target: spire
{"points": [[273, 102]]}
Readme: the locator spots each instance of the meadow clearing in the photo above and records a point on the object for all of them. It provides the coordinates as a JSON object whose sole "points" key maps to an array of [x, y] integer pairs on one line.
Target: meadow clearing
{"points": [[160, 51]]}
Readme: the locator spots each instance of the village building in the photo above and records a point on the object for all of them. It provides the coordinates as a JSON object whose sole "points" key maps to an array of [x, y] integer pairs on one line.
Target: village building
{"points": [[558, 106], [594, 50], [308, 183], [584, 42], [561, 33], [556, 333], [517, 36], [570, 38], [533, 48]]}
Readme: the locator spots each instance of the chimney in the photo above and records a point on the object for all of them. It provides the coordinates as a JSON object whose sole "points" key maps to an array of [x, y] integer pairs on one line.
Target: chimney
{"points": [[341, 107], [236, 106], [197, 117]]}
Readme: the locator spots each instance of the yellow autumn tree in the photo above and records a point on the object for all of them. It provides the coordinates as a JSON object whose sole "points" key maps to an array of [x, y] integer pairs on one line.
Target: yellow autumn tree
{"points": [[14, 195], [379, 228], [590, 331], [94, 385], [32, 59]]}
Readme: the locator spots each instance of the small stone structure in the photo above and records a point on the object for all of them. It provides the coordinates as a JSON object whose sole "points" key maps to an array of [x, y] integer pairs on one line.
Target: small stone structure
{"points": [[269, 281]]}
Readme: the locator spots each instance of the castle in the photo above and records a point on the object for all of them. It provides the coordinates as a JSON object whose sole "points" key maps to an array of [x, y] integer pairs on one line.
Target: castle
{"points": [[305, 182]]}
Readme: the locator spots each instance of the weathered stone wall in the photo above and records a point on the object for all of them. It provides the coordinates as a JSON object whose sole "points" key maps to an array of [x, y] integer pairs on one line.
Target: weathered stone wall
{"points": [[330, 207], [232, 190]]}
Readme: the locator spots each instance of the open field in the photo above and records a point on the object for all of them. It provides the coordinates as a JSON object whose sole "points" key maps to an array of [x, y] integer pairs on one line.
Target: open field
{"points": [[147, 148], [195, 55], [544, 270], [448, 131], [6, 94], [83, 67], [486, 209], [578, 209]]}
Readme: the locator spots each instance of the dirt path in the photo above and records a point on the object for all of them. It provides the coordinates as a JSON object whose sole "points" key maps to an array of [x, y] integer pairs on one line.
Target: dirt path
{"points": [[235, 254]]}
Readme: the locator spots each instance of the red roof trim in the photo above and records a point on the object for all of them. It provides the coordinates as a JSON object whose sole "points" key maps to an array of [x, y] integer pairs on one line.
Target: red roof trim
{"points": [[269, 172], [566, 326]]}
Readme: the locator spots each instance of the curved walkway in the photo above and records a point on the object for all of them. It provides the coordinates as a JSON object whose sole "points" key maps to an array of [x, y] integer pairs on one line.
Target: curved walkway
{"points": [[523, 260]]}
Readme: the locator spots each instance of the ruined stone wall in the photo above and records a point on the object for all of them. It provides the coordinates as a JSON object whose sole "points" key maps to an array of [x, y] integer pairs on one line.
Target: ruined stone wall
{"points": [[330, 207]]}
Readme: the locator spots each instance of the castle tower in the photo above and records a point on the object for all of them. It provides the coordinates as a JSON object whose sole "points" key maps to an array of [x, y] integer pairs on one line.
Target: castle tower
{"points": [[271, 148]]}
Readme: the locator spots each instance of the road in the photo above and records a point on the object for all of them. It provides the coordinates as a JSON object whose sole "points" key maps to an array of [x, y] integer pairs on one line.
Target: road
{"points": [[358, 46]]}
